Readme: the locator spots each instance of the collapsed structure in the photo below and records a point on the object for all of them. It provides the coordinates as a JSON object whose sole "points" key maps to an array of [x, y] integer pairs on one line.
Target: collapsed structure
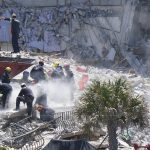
{"points": [[90, 30], [85, 30]]}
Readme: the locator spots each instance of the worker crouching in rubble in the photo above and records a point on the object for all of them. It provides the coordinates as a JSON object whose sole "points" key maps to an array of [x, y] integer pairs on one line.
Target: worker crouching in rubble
{"points": [[26, 96], [46, 113], [5, 90], [41, 96], [38, 73]]}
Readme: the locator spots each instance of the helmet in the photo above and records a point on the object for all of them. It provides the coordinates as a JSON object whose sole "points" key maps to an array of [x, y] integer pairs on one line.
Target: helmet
{"points": [[66, 66], [8, 69], [14, 15], [41, 63], [23, 85], [55, 64]]}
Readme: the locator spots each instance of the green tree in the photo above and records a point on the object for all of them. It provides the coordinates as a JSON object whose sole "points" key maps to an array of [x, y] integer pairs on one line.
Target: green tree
{"points": [[112, 103]]}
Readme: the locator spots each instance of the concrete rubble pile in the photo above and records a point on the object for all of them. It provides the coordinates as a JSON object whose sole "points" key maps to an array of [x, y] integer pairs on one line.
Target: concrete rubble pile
{"points": [[141, 86], [27, 134], [22, 131], [84, 33]]}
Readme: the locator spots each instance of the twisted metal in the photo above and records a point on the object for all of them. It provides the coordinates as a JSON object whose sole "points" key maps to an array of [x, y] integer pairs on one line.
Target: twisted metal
{"points": [[26, 135], [23, 135], [65, 124]]}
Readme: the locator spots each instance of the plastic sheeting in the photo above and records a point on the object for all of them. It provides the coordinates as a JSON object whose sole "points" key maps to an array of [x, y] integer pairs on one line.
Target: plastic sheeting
{"points": [[69, 145]]}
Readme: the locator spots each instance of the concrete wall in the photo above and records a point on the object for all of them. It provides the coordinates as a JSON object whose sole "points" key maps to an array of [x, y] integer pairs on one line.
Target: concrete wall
{"points": [[46, 3], [88, 32]]}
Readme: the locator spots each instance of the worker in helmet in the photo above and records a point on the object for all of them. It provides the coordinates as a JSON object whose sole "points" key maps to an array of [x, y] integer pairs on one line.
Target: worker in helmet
{"points": [[5, 90], [38, 73], [41, 95], [15, 31], [5, 78], [69, 76], [25, 77], [46, 113], [57, 72], [26, 96], [69, 79], [55, 64]]}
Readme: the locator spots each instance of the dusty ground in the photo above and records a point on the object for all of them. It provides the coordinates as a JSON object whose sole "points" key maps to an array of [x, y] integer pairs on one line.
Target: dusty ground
{"points": [[141, 86]]}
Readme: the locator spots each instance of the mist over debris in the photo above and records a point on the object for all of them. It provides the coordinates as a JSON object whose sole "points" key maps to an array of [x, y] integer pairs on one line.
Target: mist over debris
{"points": [[58, 94], [111, 38]]}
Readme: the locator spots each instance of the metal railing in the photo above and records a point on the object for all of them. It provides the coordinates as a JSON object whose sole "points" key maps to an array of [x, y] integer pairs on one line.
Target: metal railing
{"points": [[26, 134]]}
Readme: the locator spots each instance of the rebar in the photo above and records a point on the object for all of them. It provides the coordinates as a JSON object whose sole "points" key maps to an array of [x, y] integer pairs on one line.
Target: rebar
{"points": [[26, 135], [23, 135]]}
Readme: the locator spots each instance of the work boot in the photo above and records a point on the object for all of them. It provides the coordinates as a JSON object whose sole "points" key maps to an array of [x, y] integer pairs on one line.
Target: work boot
{"points": [[14, 52], [16, 109]]}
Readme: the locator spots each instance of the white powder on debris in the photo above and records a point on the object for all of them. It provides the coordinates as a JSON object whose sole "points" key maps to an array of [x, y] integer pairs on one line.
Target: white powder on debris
{"points": [[58, 93]]}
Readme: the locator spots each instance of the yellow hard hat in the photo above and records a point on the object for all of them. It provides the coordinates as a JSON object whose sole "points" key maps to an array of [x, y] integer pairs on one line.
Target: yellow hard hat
{"points": [[8, 69], [55, 64]]}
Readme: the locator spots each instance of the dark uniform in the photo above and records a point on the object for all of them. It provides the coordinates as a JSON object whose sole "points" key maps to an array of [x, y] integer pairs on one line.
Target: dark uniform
{"points": [[42, 99], [47, 114], [25, 78], [26, 96], [5, 77], [15, 30], [5, 90], [57, 73], [37, 73], [69, 77]]}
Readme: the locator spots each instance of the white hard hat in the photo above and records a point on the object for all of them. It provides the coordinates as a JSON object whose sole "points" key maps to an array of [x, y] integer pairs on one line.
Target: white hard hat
{"points": [[13, 15], [23, 85]]}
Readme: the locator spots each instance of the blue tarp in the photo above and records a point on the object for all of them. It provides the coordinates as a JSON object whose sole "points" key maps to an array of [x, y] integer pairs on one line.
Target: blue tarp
{"points": [[68, 145]]}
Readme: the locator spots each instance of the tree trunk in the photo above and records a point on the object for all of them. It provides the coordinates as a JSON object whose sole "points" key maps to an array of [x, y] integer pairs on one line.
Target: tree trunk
{"points": [[112, 139]]}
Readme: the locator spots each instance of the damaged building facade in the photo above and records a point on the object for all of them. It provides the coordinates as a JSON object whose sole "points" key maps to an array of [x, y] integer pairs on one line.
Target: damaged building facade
{"points": [[85, 29]]}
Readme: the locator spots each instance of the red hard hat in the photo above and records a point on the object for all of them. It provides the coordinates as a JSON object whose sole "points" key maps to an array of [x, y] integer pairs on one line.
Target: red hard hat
{"points": [[66, 66]]}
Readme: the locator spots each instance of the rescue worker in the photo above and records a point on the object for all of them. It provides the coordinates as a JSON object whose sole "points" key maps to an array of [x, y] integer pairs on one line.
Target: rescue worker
{"points": [[69, 76], [5, 90], [57, 72], [5, 78], [41, 96], [26, 96], [25, 78], [46, 114], [69, 79], [15, 31], [38, 73]]}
